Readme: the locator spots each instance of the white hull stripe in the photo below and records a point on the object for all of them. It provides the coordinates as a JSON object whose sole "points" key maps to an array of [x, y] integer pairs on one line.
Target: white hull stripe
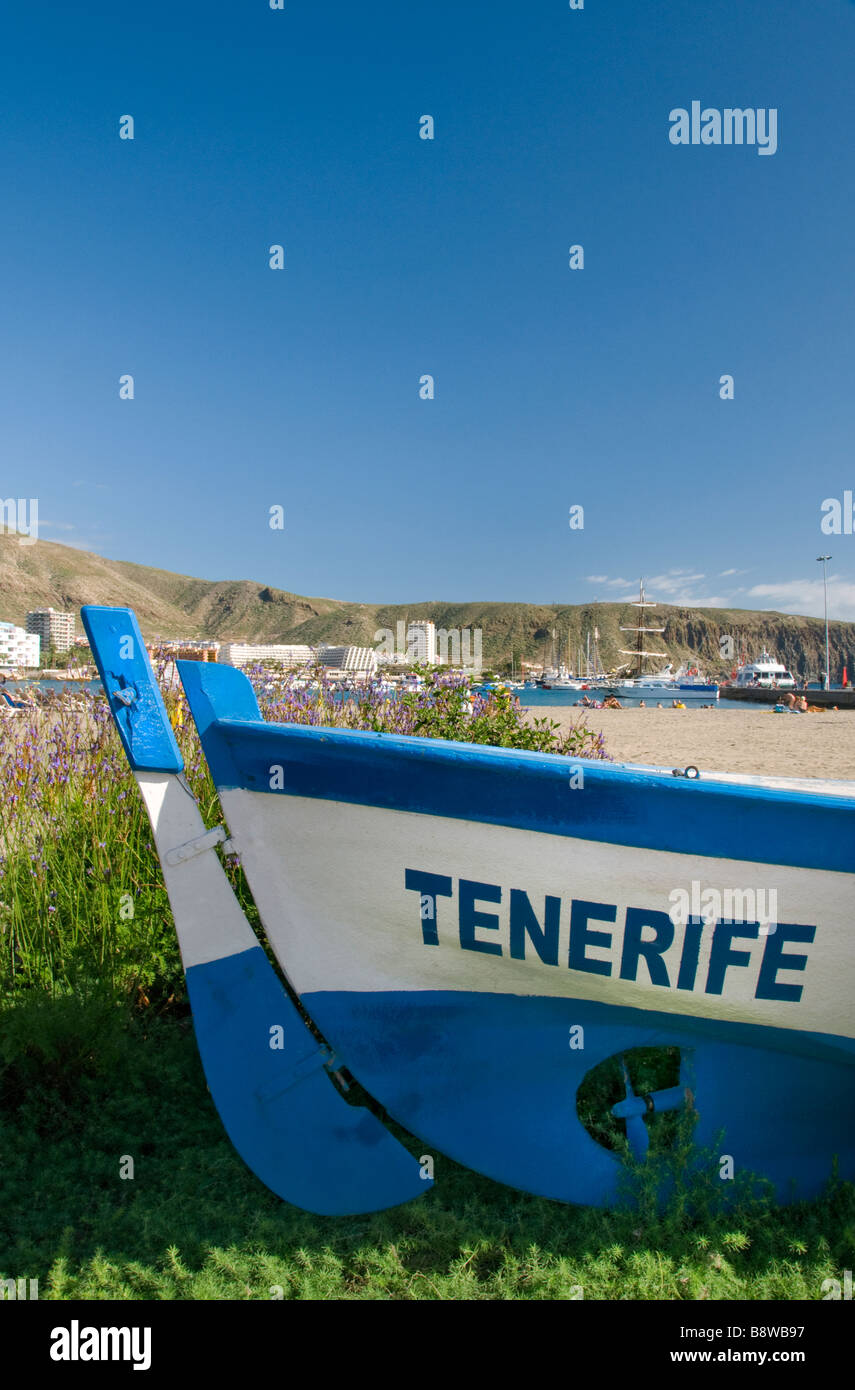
{"points": [[331, 884]]}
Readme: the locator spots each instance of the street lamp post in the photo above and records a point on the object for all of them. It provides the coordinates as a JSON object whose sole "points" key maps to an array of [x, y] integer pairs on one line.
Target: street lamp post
{"points": [[823, 560]]}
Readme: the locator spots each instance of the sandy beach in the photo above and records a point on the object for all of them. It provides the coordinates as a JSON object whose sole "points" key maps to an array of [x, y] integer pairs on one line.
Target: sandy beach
{"points": [[751, 740]]}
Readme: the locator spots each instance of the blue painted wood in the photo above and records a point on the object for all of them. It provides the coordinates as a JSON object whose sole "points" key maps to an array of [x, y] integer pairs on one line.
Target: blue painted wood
{"points": [[125, 670], [489, 1080], [267, 1074], [209, 687], [504, 787], [279, 1104]]}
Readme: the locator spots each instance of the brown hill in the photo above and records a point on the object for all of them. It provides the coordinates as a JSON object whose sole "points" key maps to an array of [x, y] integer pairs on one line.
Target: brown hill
{"points": [[174, 605]]}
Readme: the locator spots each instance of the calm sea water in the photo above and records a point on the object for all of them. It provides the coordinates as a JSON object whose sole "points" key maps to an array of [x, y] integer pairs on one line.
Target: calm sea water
{"points": [[527, 698], [34, 682], [568, 698]]}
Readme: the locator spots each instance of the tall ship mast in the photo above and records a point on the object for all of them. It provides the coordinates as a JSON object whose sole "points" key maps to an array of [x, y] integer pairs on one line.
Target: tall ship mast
{"points": [[684, 687], [640, 653]]}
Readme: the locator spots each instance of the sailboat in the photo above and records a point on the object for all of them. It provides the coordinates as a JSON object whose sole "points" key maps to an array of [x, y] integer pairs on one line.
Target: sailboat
{"points": [[681, 686], [595, 675], [561, 678], [469, 931]]}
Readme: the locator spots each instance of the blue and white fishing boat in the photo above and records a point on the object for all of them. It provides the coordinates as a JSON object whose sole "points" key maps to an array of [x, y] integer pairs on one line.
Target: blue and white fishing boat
{"points": [[468, 931]]}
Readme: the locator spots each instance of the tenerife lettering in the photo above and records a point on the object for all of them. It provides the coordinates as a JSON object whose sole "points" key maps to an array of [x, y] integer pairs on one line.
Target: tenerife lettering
{"points": [[732, 126], [642, 944]]}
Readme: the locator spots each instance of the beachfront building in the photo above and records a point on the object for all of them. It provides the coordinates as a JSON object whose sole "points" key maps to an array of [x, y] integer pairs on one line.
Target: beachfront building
{"points": [[348, 660], [421, 642], [55, 629], [184, 648], [248, 654], [19, 649]]}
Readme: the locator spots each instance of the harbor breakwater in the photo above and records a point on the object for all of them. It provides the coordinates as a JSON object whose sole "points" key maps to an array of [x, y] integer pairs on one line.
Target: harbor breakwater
{"points": [[826, 699]]}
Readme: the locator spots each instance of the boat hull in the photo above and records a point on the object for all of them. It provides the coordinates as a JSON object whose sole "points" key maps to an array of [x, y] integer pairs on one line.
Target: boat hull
{"points": [[490, 1081], [687, 694], [454, 968], [450, 915]]}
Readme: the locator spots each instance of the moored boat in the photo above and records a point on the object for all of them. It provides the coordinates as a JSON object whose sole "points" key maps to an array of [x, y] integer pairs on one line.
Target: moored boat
{"points": [[681, 687], [560, 679], [765, 673]]}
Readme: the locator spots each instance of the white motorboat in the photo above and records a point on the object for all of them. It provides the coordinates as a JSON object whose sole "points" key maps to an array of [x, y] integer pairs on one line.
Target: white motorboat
{"points": [[765, 673], [561, 679]]}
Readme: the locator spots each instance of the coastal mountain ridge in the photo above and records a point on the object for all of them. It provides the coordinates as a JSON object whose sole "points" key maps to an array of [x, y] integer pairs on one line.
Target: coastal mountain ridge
{"points": [[168, 605]]}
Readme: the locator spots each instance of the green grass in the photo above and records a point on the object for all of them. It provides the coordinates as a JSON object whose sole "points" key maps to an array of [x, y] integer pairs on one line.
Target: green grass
{"points": [[194, 1223]]}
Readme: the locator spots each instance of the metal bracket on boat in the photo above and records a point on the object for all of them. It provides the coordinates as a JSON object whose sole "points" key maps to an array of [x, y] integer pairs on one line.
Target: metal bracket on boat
{"points": [[323, 1058], [691, 772], [334, 1066], [191, 848], [298, 1071]]}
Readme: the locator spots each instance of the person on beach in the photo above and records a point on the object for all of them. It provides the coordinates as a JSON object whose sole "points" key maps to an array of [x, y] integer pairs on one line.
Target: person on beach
{"points": [[790, 700], [612, 703], [802, 705]]}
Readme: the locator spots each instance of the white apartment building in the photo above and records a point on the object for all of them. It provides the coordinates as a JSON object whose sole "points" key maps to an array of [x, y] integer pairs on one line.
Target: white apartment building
{"points": [[421, 642], [247, 654], [19, 648], [55, 629], [348, 659]]}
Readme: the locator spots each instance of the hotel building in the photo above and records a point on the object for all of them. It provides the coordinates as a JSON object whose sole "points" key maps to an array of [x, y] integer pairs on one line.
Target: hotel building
{"points": [[421, 642], [348, 659], [18, 648], [55, 629], [246, 654]]}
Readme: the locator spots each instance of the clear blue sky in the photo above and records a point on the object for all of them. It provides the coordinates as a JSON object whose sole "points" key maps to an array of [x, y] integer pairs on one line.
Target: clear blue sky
{"points": [[597, 387]]}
